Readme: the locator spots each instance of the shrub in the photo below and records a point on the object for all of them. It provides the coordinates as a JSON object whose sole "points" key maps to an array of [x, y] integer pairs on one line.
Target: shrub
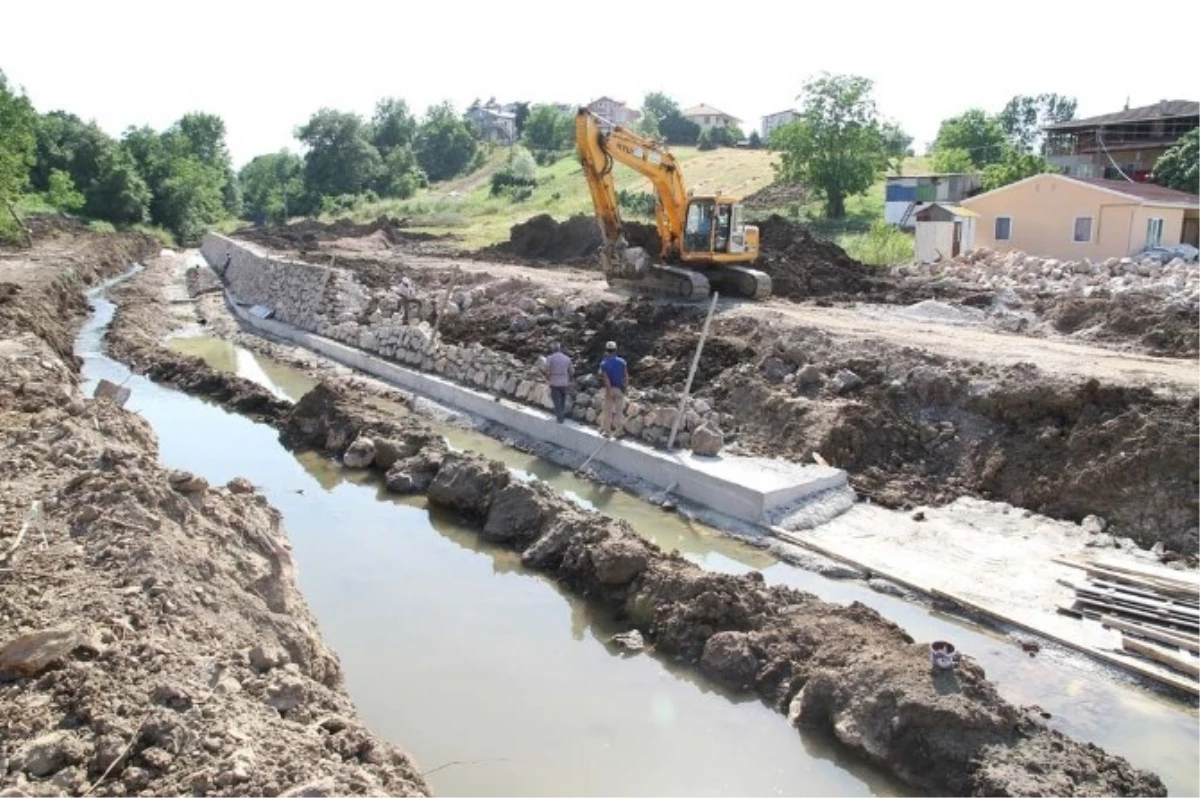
{"points": [[882, 245]]}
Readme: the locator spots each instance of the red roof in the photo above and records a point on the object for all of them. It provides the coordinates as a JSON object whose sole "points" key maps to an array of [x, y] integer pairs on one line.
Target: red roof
{"points": [[1146, 191]]}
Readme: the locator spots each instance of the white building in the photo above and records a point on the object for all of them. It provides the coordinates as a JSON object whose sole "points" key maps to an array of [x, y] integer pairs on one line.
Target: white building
{"points": [[614, 111], [904, 195], [706, 116], [778, 119], [494, 124]]}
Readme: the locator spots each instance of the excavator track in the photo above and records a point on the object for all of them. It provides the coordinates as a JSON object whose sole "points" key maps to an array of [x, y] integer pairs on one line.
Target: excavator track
{"points": [[663, 281], [740, 281]]}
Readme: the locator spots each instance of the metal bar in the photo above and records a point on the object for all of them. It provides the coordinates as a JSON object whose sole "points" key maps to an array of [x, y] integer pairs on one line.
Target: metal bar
{"points": [[687, 388]]}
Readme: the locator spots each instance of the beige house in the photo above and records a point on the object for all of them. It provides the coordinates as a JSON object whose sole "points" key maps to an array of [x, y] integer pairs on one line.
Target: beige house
{"points": [[706, 116], [1057, 216]]}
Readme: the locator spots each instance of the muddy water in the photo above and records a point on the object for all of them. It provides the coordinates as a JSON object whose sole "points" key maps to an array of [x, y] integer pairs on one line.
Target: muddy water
{"points": [[470, 662], [1152, 731]]}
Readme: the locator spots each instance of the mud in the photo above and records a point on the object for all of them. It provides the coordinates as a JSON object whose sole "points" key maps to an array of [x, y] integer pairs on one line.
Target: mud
{"points": [[152, 638], [1157, 329], [845, 670]]}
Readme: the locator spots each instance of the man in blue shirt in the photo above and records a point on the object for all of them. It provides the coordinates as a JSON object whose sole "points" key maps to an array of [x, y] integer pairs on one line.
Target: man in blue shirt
{"points": [[615, 376]]}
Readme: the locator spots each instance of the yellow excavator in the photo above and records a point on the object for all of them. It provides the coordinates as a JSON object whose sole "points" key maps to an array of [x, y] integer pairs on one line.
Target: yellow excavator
{"points": [[706, 242]]}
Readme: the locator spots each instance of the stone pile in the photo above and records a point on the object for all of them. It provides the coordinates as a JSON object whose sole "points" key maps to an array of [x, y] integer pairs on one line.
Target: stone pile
{"points": [[332, 303], [989, 269]]}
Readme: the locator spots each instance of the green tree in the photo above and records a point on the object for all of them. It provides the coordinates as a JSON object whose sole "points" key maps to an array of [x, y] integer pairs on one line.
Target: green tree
{"points": [[401, 175], [661, 117], [61, 192], [341, 158], [1025, 115], [273, 186], [897, 145], [756, 141], [520, 114], [1016, 165], [976, 132], [1179, 167], [952, 160], [18, 142], [836, 146], [119, 193], [445, 145], [191, 199], [392, 126], [548, 130]]}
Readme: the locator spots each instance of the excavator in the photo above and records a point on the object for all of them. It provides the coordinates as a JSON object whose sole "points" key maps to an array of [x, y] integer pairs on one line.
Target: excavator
{"points": [[706, 242]]}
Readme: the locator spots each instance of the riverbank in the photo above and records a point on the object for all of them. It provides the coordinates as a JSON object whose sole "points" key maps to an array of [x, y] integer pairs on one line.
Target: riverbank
{"points": [[152, 639], [822, 663]]}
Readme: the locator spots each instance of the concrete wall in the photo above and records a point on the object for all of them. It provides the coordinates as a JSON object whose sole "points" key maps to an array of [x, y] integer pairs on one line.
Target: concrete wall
{"points": [[295, 290]]}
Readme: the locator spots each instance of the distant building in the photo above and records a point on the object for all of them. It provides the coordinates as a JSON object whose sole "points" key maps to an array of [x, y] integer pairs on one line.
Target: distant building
{"points": [[614, 111], [706, 117], [904, 195], [944, 231], [778, 119], [1120, 146], [495, 124]]}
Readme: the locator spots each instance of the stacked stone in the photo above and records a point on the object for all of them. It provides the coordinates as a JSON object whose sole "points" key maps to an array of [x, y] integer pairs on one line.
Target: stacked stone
{"points": [[293, 289], [1175, 280]]}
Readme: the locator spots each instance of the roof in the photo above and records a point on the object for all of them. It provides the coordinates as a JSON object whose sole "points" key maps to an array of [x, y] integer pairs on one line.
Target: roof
{"points": [[1141, 193], [957, 210], [933, 174], [708, 110], [1166, 109], [599, 100]]}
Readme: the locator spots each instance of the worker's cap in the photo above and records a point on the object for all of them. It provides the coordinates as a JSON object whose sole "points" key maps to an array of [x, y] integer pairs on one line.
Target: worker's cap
{"points": [[611, 345]]}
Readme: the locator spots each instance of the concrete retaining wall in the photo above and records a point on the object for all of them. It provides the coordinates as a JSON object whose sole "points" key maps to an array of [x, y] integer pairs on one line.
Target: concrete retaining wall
{"points": [[294, 289]]}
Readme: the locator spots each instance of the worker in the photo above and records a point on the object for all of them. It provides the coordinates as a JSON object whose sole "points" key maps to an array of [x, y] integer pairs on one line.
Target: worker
{"points": [[408, 296], [559, 371], [615, 376]]}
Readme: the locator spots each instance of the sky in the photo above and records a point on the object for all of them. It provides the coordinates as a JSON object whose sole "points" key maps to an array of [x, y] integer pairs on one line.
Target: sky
{"points": [[265, 67]]}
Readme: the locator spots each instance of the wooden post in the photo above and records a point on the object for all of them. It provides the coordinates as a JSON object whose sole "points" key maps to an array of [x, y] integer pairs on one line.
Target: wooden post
{"points": [[687, 388], [442, 308]]}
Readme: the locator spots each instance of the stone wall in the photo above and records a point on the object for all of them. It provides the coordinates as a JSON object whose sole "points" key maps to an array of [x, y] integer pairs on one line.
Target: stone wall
{"points": [[330, 302], [294, 289]]}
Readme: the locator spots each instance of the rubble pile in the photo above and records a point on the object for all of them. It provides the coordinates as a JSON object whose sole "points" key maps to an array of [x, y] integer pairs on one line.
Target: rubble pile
{"points": [[1175, 281]]}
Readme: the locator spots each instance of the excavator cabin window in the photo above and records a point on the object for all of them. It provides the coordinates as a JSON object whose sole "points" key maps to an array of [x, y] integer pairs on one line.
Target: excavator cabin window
{"points": [[697, 235]]}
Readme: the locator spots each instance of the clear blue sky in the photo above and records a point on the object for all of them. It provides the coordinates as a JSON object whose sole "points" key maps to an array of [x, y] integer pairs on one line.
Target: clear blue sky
{"points": [[265, 66]]}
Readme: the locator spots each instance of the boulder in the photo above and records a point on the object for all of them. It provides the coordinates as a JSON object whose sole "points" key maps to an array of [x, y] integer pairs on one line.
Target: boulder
{"points": [[265, 657], [775, 369], [845, 381], [518, 512], [52, 752], [360, 454], [240, 485], [707, 440], [467, 483], [187, 483], [809, 376], [729, 660], [414, 474], [34, 652], [631, 641], [618, 560]]}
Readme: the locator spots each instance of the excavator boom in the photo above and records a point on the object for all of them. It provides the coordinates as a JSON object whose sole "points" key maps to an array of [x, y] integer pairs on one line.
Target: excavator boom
{"points": [[702, 238]]}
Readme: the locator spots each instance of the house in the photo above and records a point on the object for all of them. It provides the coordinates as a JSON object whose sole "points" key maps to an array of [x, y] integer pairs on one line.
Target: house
{"points": [[614, 111], [1057, 216], [1121, 146], [943, 231], [706, 116], [904, 195], [495, 125], [777, 119]]}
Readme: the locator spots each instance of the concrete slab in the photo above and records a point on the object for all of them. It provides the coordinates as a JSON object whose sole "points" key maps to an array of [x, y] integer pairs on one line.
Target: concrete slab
{"points": [[745, 488]]}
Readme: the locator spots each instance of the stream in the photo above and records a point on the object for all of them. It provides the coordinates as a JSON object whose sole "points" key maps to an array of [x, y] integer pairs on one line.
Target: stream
{"points": [[500, 683]]}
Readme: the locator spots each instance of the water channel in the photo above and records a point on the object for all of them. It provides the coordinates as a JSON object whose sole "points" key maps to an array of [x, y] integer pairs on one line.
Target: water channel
{"points": [[455, 652]]}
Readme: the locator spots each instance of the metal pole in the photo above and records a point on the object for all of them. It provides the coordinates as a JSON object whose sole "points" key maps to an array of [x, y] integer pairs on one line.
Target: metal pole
{"points": [[687, 389]]}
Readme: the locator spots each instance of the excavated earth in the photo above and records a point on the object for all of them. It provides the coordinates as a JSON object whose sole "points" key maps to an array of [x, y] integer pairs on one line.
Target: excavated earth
{"points": [[844, 670], [910, 425], [152, 638]]}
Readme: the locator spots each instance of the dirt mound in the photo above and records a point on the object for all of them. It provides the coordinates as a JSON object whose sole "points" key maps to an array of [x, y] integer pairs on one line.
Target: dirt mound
{"points": [[1162, 329], [842, 669], [307, 235], [802, 266], [775, 196], [545, 238]]}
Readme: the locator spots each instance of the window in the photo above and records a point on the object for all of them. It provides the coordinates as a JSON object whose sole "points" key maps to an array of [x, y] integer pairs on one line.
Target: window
{"points": [[1082, 233], [1154, 232], [1003, 228]]}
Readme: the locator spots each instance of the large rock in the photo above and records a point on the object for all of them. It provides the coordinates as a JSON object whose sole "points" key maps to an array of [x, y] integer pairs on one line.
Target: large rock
{"points": [[32, 653], [845, 381], [414, 474], [618, 560], [360, 454], [52, 752], [187, 483], [518, 512], [468, 483], [809, 376], [728, 659], [707, 440], [389, 450]]}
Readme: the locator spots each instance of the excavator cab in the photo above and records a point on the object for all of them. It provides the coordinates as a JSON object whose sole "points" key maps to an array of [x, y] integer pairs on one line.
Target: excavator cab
{"points": [[715, 230]]}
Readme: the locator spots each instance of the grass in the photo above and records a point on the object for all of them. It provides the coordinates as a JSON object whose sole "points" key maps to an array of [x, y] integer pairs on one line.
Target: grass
{"points": [[882, 245]]}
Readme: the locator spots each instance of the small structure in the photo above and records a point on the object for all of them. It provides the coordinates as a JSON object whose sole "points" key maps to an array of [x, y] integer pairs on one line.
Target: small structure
{"points": [[1120, 146], [708, 117], [1056, 216], [614, 111], [494, 123], [904, 195], [775, 120], [943, 232]]}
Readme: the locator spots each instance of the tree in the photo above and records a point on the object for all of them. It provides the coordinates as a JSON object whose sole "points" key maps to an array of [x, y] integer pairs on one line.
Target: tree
{"points": [[975, 132], [341, 158], [836, 146], [401, 175], [548, 130], [119, 193], [952, 160], [756, 141], [273, 186], [897, 145], [445, 144], [520, 114], [392, 126], [1024, 117], [1016, 165], [61, 192], [1179, 167], [678, 129], [662, 118], [18, 141]]}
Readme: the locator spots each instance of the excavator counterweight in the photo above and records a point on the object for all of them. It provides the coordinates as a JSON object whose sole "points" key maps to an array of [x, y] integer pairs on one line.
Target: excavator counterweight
{"points": [[705, 240]]}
